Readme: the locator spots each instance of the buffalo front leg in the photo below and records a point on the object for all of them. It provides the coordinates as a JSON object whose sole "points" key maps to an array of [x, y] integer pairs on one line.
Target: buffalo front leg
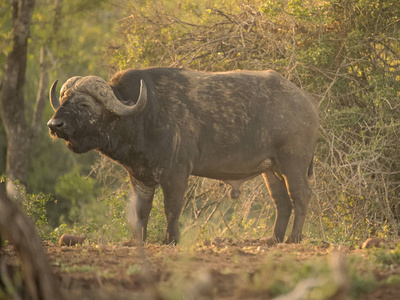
{"points": [[174, 190], [279, 194], [140, 205]]}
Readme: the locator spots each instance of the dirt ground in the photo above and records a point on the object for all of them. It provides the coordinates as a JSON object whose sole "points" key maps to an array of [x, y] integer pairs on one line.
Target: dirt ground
{"points": [[219, 270]]}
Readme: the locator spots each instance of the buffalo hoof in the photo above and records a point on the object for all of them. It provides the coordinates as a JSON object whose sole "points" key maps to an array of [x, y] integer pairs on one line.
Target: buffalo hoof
{"points": [[171, 239], [170, 243], [269, 241], [133, 243], [292, 240]]}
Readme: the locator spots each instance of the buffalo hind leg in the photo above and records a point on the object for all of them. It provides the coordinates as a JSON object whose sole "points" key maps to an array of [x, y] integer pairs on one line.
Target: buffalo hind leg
{"points": [[141, 202], [300, 196], [278, 192], [297, 184]]}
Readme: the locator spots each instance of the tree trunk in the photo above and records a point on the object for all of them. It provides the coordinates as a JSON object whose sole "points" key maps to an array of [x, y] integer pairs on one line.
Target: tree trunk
{"points": [[42, 91], [13, 112], [44, 63], [20, 231]]}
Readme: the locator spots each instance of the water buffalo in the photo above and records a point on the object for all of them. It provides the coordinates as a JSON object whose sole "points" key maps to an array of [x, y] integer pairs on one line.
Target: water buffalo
{"points": [[165, 124]]}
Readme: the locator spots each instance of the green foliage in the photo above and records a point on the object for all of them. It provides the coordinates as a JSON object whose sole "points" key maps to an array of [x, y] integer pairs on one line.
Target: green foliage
{"points": [[117, 227], [5, 46], [280, 275], [5, 34], [80, 190], [35, 207], [91, 214], [386, 258]]}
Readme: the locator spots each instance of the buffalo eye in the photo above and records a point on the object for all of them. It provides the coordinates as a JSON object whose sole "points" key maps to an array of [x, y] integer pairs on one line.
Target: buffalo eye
{"points": [[83, 105]]}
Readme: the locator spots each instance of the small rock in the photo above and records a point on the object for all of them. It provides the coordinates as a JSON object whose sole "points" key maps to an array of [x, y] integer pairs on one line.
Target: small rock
{"points": [[70, 240], [372, 242]]}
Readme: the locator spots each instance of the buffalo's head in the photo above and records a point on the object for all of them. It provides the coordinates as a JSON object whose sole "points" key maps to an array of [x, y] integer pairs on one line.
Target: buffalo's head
{"points": [[86, 106]]}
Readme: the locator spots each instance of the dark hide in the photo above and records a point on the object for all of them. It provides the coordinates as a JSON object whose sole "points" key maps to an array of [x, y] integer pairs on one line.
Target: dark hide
{"points": [[229, 126]]}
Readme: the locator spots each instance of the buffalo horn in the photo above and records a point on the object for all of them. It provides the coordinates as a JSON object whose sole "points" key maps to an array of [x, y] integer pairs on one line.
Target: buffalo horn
{"points": [[55, 103], [98, 88], [70, 83]]}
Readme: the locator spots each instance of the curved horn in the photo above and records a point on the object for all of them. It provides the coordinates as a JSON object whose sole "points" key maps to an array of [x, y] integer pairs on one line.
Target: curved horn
{"points": [[55, 103], [69, 84], [98, 88]]}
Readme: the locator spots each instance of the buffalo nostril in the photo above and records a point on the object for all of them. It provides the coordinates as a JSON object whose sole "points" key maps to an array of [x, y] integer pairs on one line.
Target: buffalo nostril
{"points": [[55, 124]]}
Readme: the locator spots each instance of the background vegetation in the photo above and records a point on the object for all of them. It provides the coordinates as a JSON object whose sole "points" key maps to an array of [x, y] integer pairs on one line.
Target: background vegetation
{"points": [[346, 53]]}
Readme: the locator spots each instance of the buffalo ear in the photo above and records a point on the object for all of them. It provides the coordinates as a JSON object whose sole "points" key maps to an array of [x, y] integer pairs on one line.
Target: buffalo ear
{"points": [[54, 101]]}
